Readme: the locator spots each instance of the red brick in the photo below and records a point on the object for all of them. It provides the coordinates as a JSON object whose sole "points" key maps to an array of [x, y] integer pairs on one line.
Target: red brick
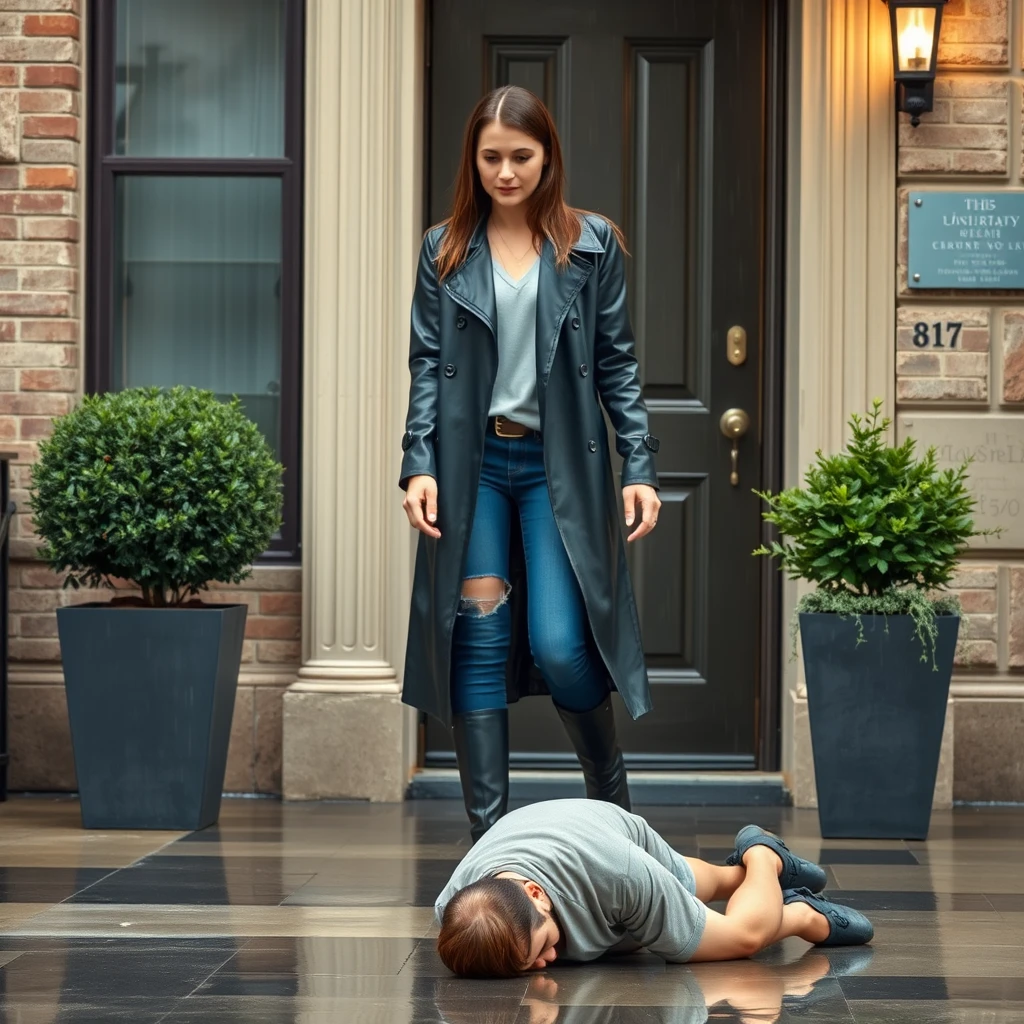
{"points": [[35, 600], [38, 254], [35, 427], [8, 76], [8, 330], [49, 281], [40, 202], [38, 625], [280, 604], [49, 380], [46, 76], [8, 428], [50, 330], [9, 279], [47, 126], [37, 101], [63, 229], [51, 25], [279, 652], [29, 304], [8, 228], [280, 628], [51, 177], [33, 650], [9, 177], [19, 404], [35, 577]]}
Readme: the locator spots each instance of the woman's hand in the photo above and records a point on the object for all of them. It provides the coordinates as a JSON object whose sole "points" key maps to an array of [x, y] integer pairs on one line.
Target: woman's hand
{"points": [[647, 498], [421, 505]]}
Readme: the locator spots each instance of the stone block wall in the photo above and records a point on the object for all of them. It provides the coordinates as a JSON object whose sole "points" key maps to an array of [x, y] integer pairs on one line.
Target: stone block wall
{"points": [[41, 376], [973, 140]]}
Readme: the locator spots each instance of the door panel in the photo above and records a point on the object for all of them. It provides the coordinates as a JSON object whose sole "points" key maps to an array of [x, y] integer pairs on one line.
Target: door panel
{"points": [[659, 104]]}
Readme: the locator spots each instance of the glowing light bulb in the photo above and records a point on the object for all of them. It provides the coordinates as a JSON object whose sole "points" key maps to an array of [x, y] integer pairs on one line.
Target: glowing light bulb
{"points": [[915, 44]]}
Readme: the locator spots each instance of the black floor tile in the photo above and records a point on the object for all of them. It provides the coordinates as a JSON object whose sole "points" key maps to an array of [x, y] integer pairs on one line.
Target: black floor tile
{"points": [[308, 956], [841, 856], [89, 975], [882, 899], [982, 990], [114, 1010], [46, 885]]}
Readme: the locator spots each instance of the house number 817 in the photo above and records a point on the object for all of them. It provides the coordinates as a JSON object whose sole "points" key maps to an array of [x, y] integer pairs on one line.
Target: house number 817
{"points": [[930, 335]]}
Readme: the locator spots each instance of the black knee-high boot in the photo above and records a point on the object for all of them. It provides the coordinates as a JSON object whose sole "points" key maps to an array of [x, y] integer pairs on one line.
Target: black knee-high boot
{"points": [[481, 747], [593, 736]]}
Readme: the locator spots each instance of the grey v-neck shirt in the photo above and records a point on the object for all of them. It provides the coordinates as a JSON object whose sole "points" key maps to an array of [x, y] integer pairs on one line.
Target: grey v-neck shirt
{"points": [[614, 883], [515, 388]]}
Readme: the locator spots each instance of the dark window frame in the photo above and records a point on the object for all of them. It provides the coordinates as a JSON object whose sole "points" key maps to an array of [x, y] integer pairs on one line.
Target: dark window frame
{"points": [[104, 167]]}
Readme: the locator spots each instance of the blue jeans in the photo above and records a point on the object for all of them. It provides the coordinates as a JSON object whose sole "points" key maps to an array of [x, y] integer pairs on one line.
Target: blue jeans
{"points": [[513, 476]]}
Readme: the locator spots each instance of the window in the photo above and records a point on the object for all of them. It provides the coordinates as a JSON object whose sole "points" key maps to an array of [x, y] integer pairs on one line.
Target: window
{"points": [[196, 206]]}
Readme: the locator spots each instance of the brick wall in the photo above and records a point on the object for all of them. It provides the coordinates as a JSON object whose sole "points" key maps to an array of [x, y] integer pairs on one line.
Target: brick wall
{"points": [[973, 139], [41, 363]]}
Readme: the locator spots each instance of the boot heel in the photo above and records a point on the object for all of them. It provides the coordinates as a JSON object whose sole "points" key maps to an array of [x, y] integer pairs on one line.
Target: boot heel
{"points": [[481, 748], [592, 734]]}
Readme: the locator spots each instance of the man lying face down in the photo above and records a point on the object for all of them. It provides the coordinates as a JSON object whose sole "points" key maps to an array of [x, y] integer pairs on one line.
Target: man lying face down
{"points": [[575, 879]]}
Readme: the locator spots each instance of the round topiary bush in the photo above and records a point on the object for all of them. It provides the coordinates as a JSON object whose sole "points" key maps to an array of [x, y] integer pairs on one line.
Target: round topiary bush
{"points": [[168, 489]]}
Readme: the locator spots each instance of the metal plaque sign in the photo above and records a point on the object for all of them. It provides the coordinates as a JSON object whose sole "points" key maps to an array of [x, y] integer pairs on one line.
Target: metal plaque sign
{"points": [[996, 476], [966, 240]]}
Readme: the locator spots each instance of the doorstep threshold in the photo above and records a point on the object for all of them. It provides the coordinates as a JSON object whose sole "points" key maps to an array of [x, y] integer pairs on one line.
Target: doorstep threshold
{"points": [[670, 789]]}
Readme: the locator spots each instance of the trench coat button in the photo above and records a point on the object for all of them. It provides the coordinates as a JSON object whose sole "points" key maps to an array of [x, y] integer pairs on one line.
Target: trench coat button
{"points": [[652, 442], [449, 370], [575, 323], [407, 440], [592, 445], [460, 322], [584, 369]]}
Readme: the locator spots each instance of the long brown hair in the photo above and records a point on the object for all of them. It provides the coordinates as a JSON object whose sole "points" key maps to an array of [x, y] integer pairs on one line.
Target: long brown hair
{"points": [[547, 213], [487, 929]]}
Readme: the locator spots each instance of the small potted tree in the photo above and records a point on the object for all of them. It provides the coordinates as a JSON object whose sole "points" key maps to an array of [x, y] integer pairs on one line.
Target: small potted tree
{"points": [[879, 532], [166, 490]]}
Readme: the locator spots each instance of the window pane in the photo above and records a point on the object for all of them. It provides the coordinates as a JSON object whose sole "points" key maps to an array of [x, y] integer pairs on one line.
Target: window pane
{"points": [[197, 289], [200, 78]]}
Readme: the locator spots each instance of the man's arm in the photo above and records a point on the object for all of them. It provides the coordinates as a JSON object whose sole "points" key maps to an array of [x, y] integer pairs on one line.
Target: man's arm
{"points": [[658, 911]]}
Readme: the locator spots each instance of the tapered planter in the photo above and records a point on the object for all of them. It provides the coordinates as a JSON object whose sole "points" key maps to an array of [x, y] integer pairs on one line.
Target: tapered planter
{"points": [[877, 713], [151, 694]]}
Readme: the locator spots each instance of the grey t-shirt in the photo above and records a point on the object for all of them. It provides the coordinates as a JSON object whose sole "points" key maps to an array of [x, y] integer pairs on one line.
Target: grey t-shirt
{"points": [[614, 883], [515, 388]]}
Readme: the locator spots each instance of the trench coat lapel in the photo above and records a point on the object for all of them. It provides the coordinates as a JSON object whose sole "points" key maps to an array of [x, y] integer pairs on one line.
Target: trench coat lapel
{"points": [[472, 285], [556, 291]]}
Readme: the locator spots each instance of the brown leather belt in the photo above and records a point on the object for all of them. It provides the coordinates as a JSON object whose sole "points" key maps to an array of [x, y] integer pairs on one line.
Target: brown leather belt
{"points": [[507, 428]]}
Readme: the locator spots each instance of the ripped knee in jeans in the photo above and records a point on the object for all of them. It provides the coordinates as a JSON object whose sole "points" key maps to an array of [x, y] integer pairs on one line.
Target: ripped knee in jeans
{"points": [[483, 596]]}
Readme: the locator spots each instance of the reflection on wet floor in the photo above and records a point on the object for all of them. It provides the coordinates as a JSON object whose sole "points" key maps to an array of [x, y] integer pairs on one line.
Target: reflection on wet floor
{"points": [[312, 913]]}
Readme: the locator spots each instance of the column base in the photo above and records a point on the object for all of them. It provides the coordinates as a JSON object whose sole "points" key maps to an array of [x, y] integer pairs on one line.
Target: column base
{"points": [[343, 745], [801, 779]]}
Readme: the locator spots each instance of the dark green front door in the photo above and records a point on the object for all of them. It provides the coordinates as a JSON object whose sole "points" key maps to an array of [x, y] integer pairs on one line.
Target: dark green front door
{"points": [[660, 106]]}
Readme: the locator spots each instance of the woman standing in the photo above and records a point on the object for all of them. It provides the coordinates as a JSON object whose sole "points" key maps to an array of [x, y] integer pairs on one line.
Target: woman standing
{"points": [[520, 332]]}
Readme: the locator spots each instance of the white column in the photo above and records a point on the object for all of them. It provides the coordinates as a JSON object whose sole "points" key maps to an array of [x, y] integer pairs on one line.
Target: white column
{"points": [[346, 733]]}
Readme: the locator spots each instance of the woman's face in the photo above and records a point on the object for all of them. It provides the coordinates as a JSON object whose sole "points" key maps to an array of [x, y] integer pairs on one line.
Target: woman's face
{"points": [[509, 163]]}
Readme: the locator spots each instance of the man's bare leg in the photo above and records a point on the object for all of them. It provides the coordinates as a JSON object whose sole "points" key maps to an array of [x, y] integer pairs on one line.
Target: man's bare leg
{"points": [[715, 882], [755, 916]]}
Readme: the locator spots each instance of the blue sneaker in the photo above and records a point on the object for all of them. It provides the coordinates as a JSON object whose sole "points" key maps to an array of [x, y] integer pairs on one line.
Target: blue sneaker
{"points": [[848, 927], [797, 873]]}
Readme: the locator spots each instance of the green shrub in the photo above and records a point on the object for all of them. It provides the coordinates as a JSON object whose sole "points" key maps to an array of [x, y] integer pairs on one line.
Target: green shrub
{"points": [[168, 489], [876, 529]]}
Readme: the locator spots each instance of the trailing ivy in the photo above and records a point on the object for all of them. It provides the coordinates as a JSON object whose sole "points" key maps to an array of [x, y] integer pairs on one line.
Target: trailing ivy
{"points": [[168, 489], [879, 531]]}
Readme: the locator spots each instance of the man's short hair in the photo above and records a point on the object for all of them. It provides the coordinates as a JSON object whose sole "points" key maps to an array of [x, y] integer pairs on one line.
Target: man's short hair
{"points": [[487, 929]]}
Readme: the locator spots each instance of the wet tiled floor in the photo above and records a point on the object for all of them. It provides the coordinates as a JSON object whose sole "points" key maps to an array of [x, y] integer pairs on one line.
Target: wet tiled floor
{"points": [[322, 913]]}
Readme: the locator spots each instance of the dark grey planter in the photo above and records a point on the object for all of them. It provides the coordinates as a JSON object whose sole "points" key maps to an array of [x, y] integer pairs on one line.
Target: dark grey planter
{"points": [[877, 714], [151, 694]]}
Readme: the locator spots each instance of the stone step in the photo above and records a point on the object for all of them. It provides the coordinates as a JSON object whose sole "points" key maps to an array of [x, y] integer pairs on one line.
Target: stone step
{"points": [[673, 789]]}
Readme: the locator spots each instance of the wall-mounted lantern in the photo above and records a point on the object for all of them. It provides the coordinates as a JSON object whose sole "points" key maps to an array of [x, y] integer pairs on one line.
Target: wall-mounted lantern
{"points": [[915, 46]]}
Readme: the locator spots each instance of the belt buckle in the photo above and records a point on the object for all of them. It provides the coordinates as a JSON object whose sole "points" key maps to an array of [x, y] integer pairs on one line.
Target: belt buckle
{"points": [[499, 424]]}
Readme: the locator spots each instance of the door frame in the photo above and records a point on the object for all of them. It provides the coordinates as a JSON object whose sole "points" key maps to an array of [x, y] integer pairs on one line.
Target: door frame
{"points": [[770, 420]]}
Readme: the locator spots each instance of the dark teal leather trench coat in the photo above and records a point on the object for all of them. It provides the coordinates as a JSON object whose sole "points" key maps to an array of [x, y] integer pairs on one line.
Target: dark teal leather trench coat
{"points": [[585, 355]]}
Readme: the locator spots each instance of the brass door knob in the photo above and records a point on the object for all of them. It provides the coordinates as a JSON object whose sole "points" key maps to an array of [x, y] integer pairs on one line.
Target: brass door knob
{"points": [[734, 424]]}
